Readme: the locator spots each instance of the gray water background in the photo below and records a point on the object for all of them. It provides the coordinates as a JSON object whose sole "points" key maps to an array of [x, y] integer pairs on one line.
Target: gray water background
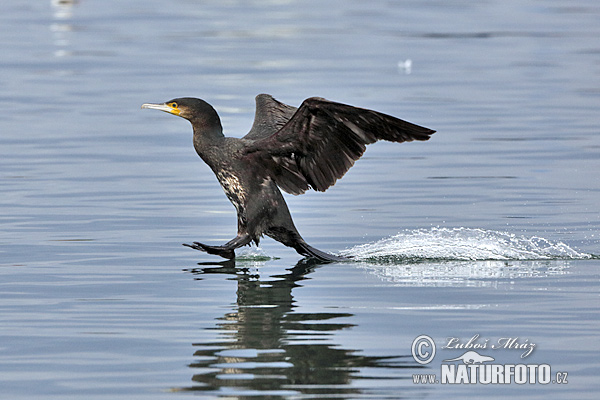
{"points": [[486, 229]]}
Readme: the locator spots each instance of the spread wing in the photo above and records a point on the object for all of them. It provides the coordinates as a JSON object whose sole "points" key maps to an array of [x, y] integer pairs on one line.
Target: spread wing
{"points": [[271, 115], [319, 143]]}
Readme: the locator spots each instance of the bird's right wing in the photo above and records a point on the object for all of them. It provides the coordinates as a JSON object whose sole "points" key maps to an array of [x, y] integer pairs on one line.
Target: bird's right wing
{"points": [[271, 115], [323, 139]]}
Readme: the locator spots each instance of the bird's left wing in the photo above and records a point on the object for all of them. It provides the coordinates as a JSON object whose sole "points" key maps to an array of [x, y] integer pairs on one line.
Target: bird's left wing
{"points": [[323, 139]]}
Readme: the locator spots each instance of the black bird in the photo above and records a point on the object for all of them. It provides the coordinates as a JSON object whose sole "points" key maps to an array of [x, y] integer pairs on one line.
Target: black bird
{"points": [[295, 149]]}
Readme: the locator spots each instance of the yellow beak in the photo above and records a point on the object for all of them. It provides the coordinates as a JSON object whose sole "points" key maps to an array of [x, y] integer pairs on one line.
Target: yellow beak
{"points": [[162, 107]]}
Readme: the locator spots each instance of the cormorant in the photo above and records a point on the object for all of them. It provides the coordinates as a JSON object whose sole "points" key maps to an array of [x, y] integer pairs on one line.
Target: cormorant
{"points": [[295, 149]]}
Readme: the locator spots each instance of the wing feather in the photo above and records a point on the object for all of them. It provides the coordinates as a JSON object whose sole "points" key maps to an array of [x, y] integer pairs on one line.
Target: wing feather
{"points": [[320, 141], [270, 116]]}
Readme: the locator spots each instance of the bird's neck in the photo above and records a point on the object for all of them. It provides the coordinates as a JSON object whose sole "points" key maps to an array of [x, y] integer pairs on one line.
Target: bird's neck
{"points": [[207, 141], [208, 134]]}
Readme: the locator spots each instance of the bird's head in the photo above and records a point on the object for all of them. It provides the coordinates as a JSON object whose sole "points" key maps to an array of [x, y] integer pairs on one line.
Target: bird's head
{"points": [[201, 114]]}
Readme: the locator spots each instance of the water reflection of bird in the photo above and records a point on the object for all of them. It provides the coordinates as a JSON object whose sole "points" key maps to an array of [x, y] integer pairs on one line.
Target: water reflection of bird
{"points": [[265, 344], [294, 149]]}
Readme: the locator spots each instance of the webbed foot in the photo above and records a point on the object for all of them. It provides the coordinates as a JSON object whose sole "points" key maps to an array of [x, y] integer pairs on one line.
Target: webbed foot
{"points": [[225, 252]]}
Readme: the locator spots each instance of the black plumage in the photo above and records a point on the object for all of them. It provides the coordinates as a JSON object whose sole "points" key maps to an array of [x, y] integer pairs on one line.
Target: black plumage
{"points": [[295, 149]]}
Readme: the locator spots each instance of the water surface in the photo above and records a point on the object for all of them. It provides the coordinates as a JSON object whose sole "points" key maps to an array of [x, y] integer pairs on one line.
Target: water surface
{"points": [[490, 228]]}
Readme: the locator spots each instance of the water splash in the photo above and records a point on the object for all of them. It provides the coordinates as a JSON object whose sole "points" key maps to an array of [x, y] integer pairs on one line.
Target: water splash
{"points": [[462, 257], [461, 244], [254, 254]]}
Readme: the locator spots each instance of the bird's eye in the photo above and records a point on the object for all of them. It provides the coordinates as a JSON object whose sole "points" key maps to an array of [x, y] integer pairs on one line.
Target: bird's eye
{"points": [[173, 105]]}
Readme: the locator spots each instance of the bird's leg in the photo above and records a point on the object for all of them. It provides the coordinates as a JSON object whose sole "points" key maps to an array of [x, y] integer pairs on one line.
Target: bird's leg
{"points": [[226, 250], [308, 251], [291, 238]]}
